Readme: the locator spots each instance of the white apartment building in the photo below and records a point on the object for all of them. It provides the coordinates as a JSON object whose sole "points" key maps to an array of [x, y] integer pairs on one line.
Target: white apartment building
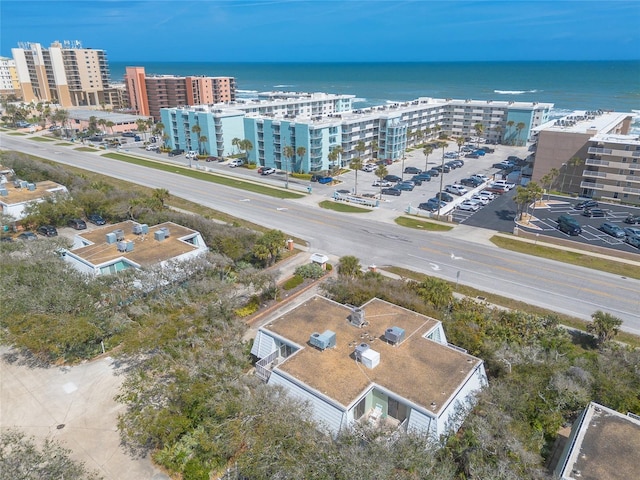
{"points": [[9, 84]]}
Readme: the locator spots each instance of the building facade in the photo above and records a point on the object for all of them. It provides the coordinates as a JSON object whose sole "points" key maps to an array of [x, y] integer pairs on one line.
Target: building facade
{"points": [[379, 363], [9, 84], [16, 197], [317, 123], [148, 94], [594, 155], [66, 74]]}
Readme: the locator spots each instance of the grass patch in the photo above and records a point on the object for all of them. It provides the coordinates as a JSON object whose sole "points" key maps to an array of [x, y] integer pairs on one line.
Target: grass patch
{"points": [[86, 149], [342, 207], [567, 320], [63, 144], [422, 224], [41, 139], [208, 177], [574, 258], [17, 134]]}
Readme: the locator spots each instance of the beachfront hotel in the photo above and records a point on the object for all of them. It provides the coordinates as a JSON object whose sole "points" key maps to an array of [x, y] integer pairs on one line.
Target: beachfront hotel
{"points": [[594, 154], [148, 94], [66, 74], [320, 122]]}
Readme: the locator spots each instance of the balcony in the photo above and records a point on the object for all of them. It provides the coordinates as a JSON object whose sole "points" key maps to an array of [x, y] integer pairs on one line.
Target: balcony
{"points": [[594, 174], [595, 161]]}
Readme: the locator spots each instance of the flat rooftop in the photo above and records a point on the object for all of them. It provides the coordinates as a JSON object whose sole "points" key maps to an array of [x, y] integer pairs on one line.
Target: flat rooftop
{"points": [[146, 252], [608, 446], [20, 195], [117, 118], [420, 370], [585, 122]]}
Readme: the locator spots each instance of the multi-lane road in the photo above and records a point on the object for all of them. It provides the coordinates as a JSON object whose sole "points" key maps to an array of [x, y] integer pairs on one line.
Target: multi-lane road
{"points": [[460, 255]]}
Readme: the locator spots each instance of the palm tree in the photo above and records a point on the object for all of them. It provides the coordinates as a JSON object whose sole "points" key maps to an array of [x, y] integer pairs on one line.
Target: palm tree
{"points": [[356, 163], [437, 129], [573, 163], [142, 126], [479, 128], [548, 178], [236, 143], [519, 127], [381, 172], [247, 146], [428, 150], [161, 195], [442, 145], [288, 153], [374, 149], [338, 157], [510, 125], [110, 125], [300, 151], [196, 129], [202, 140], [102, 122], [605, 326], [460, 143], [499, 132], [419, 136]]}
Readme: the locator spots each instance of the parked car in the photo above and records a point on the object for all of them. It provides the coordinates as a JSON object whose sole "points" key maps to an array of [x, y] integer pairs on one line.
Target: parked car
{"points": [[191, 154], [499, 189], [485, 193], [77, 224], [488, 149], [392, 191], [456, 189], [569, 225], [481, 198], [129, 134], [505, 184], [268, 171], [425, 177], [408, 186], [585, 204], [632, 219], [471, 182], [96, 219], [152, 148], [480, 152], [443, 168], [392, 178], [432, 205], [27, 236], [631, 231], [452, 165], [612, 229], [469, 206], [412, 170], [48, 231], [445, 197], [480, 176], [503, 165], [369, 167], [472, 155], [236, 162], [382, 183], [175, 152], [594, 212], [325, 180], [417, 181], [633, 240], [434, 172]]}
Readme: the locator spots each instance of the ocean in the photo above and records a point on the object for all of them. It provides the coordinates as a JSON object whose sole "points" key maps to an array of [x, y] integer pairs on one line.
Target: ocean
{"points": [[606, 85]]}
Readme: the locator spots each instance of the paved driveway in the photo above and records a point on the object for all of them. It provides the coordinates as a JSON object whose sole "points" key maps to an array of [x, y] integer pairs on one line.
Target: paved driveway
{"points": [[76, 406]]}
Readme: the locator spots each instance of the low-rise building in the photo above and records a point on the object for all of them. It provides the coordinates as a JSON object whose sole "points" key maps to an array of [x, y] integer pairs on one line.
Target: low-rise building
{"points": [[376, 363], [16, 196], [603, 444], [128, 244]]}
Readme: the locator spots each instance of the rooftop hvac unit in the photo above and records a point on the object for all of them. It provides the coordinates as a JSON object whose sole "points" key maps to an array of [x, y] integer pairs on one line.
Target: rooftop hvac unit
{"points": [[165, 230], [394, 335], [370, 358], [111, 238], [357, 317], [3, 192], [158, 235], [119, 233], [360, 349], [122, 246], [137, 229], [31, 186], [129, 246], [323, 340]]}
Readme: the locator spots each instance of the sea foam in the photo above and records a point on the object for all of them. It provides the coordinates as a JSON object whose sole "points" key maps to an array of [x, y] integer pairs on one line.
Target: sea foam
{"points": [[514, 92]]}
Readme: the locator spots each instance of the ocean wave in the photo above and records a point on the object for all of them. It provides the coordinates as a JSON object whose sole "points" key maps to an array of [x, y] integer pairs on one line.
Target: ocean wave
{"points": [[559, 113], [359, 100], [283, 86], [246, 91], [514, 92]]}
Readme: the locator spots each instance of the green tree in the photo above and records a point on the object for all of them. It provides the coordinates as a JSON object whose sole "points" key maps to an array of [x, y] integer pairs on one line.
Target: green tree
{"points": [[300, 152], [428, 150], [374, 149], [161, 195], [267, 248], [196, 130], [202, 142], [479, 128], [142, 127], [381, 172], [356, 163], [110, 125], [519, 127], [287, 153], [349, 266], [509, 134], [435, 291], [548, 178], [460, 143], [499, 133], [236, 143], [604, 326]]}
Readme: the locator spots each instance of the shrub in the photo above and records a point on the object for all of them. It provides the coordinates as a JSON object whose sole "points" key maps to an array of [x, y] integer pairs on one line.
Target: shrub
{"points": [[293, 282], [310, 270], [301, 176], [328, 267]]}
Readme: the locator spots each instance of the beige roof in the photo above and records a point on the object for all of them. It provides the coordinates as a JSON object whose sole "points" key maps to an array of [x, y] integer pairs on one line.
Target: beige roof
{"points": [[21, 195], [146, 252], [418, 369]]}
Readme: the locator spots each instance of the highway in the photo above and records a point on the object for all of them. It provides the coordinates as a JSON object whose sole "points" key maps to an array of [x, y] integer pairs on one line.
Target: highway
{"points": [[373, 237]]}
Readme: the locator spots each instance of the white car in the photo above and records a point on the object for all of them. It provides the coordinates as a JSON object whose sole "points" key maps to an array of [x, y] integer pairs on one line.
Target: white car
{"points": [[236, 163], [504, 183], [369, 167], [382, 183], [483, 199], [456, 189], [486, 194], [469, 206], [191, 154], [480, 176]]}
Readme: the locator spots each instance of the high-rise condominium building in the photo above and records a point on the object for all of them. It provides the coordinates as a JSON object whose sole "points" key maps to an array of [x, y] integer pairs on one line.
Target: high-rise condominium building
{"points": [[65, 73], [9, 84], [149, 93]]}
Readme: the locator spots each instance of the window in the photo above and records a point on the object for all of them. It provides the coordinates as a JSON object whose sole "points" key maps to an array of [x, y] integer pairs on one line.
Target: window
{"points": [[358, 411], [397, 410]]}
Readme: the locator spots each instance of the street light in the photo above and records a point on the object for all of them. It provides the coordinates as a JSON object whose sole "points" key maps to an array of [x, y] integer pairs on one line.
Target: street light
{"points": [[443, 145]]}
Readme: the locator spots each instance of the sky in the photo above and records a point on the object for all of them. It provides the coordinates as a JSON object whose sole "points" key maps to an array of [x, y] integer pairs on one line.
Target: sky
{"points": [[330, 30]]}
